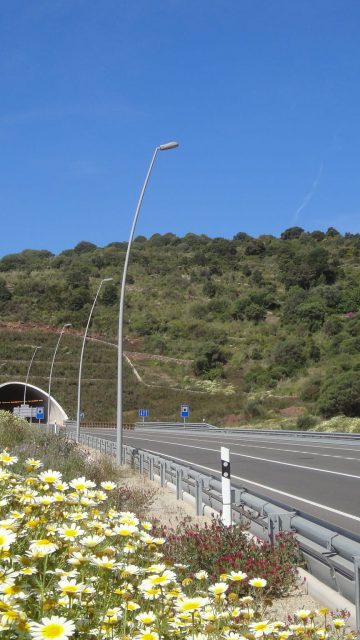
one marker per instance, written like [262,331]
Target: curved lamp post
[119,408]
[27,375]
[68,324]
[81,359]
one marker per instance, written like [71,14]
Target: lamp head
[107,279]
[168,145]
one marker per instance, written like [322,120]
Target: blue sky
[262,95]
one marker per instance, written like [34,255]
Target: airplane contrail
[309,195]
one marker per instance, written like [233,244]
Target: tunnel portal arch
[12,395]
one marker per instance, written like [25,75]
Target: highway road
[318,477]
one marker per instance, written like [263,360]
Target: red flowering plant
[218,550]
[277,564]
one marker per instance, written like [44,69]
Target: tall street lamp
[119,408]
[81,359]
[27,376]
[68,324]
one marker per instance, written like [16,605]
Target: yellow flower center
[52,630]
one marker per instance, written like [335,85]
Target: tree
[317,235]
[210,357]
[340,395]
[79,298]
[242,237]
[77,278]
[292,233]
[110,295]
[12,261]
[5,294]
[289,354]
[332,326]
[332,233]
[84,246]
[255,248]
[312,314]
[254,312]
[305,268]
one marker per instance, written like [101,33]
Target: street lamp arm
[68,324]
[28,371]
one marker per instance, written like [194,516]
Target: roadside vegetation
[64,455]
[261,331]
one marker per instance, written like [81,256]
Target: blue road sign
[185,411]
[144,413]
[39,413]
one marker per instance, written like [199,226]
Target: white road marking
[271,439]
[243,455]
[264,486]
[255,446]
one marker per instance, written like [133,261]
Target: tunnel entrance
[12,400]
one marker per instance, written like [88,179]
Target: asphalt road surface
[317,477]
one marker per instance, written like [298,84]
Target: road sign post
[144,413]
[39,414]
[184,412]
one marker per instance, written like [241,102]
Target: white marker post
[226,487]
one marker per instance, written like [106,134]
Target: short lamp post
[27,376]
[119,408]
[81,358]
[68,324]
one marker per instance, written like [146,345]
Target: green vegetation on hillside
[248,329]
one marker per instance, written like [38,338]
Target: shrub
[341,395]
[305,422]
[290,354]
[210,357]
[218,549]
[277,564]
[311,389]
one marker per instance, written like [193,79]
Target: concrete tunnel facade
[12,395]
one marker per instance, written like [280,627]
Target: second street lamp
[119,407]
[81,359]
[68,324]
[27,378]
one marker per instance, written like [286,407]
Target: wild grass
[64,455]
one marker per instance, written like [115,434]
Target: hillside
[248,329]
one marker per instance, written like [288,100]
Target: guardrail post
[357,593]
[179,483]
[199,504]
[277,522]
[141,462]
[151,468]
[162,473]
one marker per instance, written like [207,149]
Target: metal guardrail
[98,425]
[228,431]
[332,554]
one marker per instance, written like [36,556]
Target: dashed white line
[243,455]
